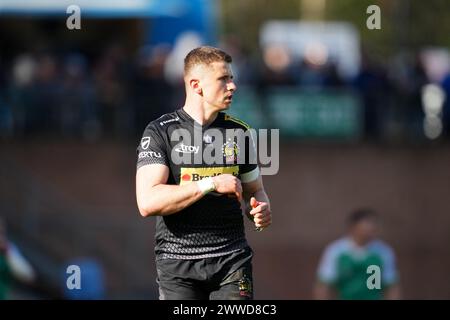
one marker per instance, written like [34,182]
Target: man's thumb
[253,202]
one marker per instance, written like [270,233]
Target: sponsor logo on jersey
[195,174]
[145,142]
[149,154]
[168,121]
[183,148]
[230,150]
[245,287]
[207,139]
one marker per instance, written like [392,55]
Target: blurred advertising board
[302,113]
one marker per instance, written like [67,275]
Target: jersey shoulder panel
[236,122]
[153,147]
[327,270]
[381,248]
[167,119]
[338,246]
[163,122]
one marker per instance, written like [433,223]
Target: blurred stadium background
[364,117]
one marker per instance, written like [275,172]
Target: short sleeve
[389,272]
[152,148]
[327,270]
[249,170]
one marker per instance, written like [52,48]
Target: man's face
[217,85]
[365,230]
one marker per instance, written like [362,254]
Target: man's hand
[228,184]
[261,213]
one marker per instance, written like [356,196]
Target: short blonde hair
[204,56]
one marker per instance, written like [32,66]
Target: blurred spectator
[12,264]
[332,79]
[313,66]
[77,111]
[243,67]
[373,86]
[41,113]
[110,79]
[174,65]
[152,92]
[277,67]
[342,272]
[275,70]
[20,91]
[417,79]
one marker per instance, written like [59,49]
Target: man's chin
[222,107]
[227,105]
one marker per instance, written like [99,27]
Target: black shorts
[227,277]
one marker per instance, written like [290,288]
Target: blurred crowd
[116,93]
[74,96]
[391,91]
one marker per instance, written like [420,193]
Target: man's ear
[195,85]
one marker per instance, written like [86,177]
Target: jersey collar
[186,117]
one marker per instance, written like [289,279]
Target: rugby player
[201,249]
[346,269]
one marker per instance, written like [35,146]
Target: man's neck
[200,114]
[361,243]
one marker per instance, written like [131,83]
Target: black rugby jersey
[212,226]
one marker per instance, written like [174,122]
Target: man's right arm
[156,197]
[326,275]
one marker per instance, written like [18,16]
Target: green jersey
[347,268]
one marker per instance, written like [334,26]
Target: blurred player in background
[201,249]
[342,273]
[12,264]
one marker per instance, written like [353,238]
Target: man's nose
[232,86]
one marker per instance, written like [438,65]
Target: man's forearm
[164,199]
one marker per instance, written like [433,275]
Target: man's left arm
[390,277]
[256,203]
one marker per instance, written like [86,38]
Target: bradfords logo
[195,174]
[186,149]
[145,142]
